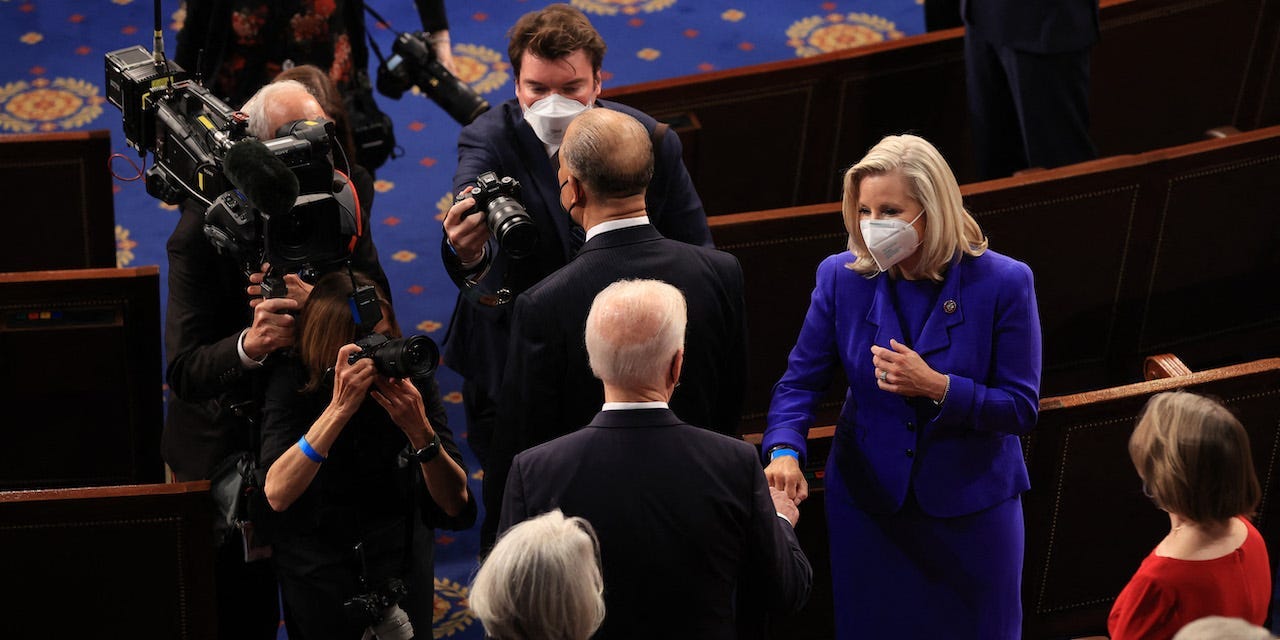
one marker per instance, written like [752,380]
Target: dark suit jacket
[1034,26]
[548,388]
[206,312]
[685,522]
[501,141]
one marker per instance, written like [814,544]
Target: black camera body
[378,611]
[414,63]
[506,218]
[412,357]
[190,133]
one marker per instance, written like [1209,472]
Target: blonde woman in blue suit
[939,339]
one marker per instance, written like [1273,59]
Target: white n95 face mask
[551,115]
[890,241]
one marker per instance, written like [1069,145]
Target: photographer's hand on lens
[272,328]
[404,404]
[904,372]
[351,382]
[784,474]
[467,234]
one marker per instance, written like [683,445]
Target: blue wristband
[310,452]
[779,452]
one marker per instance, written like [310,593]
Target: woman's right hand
[784,474]
[351,382]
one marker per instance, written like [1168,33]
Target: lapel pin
[949,306]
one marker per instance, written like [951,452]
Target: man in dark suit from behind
[548,390]
[693,542]
[1027,72]
[556,56]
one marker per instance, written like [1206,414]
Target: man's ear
[677,366]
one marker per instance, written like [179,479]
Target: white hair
[541,581]
[634,329]
[256,106]
[1221,628]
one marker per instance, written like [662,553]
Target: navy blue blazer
[689,541]
[501,141]
[548,388]
[965,458]
[1034,26]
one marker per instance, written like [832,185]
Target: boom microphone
[263,178]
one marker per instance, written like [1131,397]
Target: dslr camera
[506,218]
[412,357]
[378,610]
[414,63]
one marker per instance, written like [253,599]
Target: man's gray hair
[256,106]
[542,580]
[634,329]
[610,152]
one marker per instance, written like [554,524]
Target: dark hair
[1193,456]
[325,323]
[553,33]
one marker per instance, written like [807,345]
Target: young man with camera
[556,55]
[217,345]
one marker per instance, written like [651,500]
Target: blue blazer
[960,459]
[501,141]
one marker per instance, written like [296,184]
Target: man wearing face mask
[556,55]
[548,388]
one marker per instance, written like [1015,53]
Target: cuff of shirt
[249,363]
[784,518]
[471,266]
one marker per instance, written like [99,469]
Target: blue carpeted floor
[53,77]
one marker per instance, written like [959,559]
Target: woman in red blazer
[939,339]
[1193,457]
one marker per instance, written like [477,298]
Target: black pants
[1027,109]
[247,597]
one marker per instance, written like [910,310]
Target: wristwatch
[425,454]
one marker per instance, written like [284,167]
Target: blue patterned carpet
[53,81]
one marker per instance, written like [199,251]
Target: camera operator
[240,45]
[556,54]
[216,345]
[350,450]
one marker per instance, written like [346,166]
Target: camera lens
[413,357]
[512,226]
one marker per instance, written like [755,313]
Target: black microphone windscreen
[263,178]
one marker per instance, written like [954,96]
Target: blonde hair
[634,329]
[325,323]
[1193,457]
[949,229]
[542,581]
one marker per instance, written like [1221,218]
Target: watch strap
[427,453]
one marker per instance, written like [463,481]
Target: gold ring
[884,376]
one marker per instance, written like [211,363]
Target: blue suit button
[911,426]
[911,453]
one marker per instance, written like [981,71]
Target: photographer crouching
[361,465]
